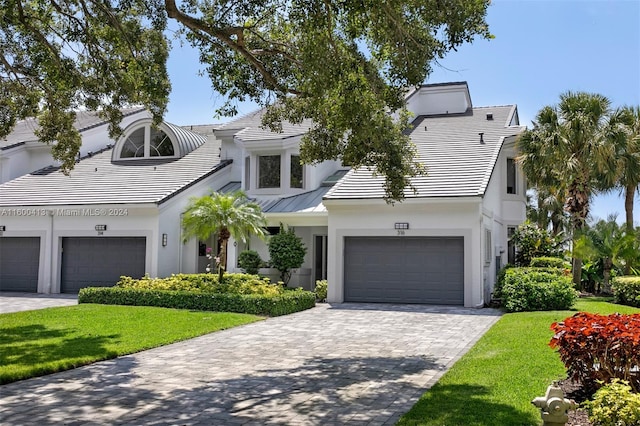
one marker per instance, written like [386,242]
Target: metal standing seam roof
[97,180]
[187,141]
[24,130]
[458,165]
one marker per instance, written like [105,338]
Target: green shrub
[204,283]
[284,303]
[321,290]
[249,261]
[537,289]
[497,288]
[549,262]
[626,290]
[614,405]
[287,252]
[532,241]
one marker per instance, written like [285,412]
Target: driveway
[343,364]
[14,302]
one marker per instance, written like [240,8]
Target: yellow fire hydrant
[554,406]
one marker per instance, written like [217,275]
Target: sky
[542,48]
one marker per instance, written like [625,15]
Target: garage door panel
[19,264]
[100,261]
[404,270]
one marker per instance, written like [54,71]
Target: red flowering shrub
[598,348]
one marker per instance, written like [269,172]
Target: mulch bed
[573,390]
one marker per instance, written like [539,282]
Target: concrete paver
[15,301]
[343,364]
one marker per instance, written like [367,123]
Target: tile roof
[250,128]
[96,180]
[24,129]
[458,165]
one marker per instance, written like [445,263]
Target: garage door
[427,270]
[19,263]
[100,261]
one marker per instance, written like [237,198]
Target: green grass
[494,383]
[34,343]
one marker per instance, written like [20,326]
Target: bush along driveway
[342,364]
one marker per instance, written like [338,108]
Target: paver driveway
[340,364]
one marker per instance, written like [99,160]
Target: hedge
[286,303]
[626,290]
[537,289]
[549,262]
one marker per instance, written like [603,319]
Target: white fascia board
[269,144]
[299,219]
[350,202]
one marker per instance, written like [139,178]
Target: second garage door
[427,270]
[100,261]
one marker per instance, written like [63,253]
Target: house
[118,213]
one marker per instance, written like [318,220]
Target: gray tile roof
[96,180]
[250,128]
[457,164]
[24,129]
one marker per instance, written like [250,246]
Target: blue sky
[541,49]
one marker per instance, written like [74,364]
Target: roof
[458,165]
[96,180]
[249,128]
[24,131]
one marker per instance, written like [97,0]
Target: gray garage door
[19,263]
[427,270]
[100,261]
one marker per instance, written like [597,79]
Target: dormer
[141,140]
[437,99]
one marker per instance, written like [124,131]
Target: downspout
[51,247]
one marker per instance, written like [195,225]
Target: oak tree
[342,64]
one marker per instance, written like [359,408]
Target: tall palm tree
[628,155]
[548,211]
[568,149]
[228,215]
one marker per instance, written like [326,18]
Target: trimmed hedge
[285,303]
[626,290]
[549,262]
[537,289]
[233,283]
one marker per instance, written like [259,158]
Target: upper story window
[269,171]
[297,174]
[511,176]
[146,142]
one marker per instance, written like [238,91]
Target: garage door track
[345,364]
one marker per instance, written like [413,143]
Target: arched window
[145,142]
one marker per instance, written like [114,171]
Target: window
[511,176]
[269,171]
[511,247]
[296,180]
[160,145]
[146,142]
[487,246]
[247,174]
[320,260]
[134,145]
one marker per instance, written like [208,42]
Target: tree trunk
[223,260]
[630,192]
[607,264]
[576,267]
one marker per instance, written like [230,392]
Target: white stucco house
[118,213]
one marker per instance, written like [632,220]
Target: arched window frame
[147,127]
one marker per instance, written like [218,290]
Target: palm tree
[228,215]
[548,211]
[628,155]
[569,150]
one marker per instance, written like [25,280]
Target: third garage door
[427,270]
[100,261]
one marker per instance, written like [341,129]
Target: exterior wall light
[101,228]
[164,240]
[401,225]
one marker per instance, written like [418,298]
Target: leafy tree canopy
[344,64]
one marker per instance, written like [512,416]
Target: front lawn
[34,343]
[494,383]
